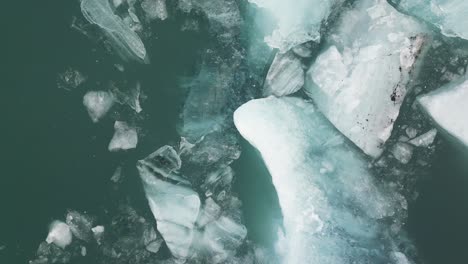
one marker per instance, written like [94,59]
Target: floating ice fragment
[80,225]
[286,75]
[360,78]
[448,106]
[297,23]
[340,217]
[424,140]
[59,234]
[125,137]
[98,232]
[151,240]
[126,42]
[98,103]
[403,152]
[447,15]
[155,9]
[70,79]
[174,205]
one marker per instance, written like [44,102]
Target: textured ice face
[126,42]
[359,80]
[298,22]
[447,15]
[333,210]
[448,107]
[286,75]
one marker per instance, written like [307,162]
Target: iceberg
[297,23]
[447,107]
[333,209]
[126,42]
[98,103]
[174,204]
[360,79]
[286,75]
[125,137]
[447,15]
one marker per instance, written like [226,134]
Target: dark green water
[54,158]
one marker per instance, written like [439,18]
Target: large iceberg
[447,15]
[126,42]
[360,78]
[448,107]
[298,22]
[334,211]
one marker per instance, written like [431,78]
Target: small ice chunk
[80,225]
[359,80]
[59,234]
[403,152]
[411,132]
[304,50]
[126,42]
[98,103]
[151,240]
[70,79]
[125,137]
[424,140]
[448,106]
[166,163]
[83,251]
[98,232]
[286,75]
[155,9]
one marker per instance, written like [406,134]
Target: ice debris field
[345,101]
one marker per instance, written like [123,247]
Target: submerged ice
[360,78]
[334,211]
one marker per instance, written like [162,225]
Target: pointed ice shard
[334,216]
[447,15]
[448,106]
[286,75]
[126,42]
[59,234]
[98,103]
[174,204]
[360,78]
[298,22]
[125,137]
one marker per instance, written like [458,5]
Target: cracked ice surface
[448,106]
[126,41]
[360,79]
[297,23]
[447,15]
[333,210]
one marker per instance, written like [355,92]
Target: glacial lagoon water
[56,159]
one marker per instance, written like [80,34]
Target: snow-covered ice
[125,137]
[59,234]
[98,103]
